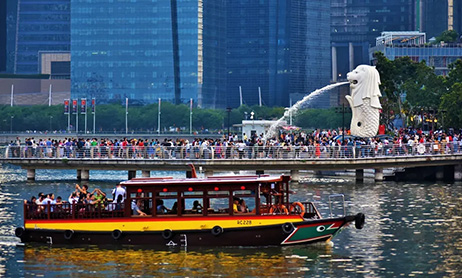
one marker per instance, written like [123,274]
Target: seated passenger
[136,208]
[235,205]
[161,209]
[174,209]
[242,206]
[197,207]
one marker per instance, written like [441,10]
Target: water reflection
[411,230]
[249,262]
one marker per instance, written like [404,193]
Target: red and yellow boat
[214,211]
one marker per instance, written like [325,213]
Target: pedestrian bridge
[445,161]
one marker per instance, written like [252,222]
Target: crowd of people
[317,144]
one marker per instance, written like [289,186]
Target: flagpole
[190,115]
[126,115]
[12,94]
[94,114]
[158,119]
[49,96]
[240,95]
[259,96]
[76,117]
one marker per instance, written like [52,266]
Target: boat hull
[283,233]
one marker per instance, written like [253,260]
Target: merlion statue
[364,101]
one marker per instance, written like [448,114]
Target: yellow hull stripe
[139,224]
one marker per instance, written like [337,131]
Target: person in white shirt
[119,194]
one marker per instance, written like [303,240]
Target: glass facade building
[40,26]
[439,57]
[356,24]
[144,50]
[278,47]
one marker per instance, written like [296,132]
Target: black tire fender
[217,230]
[288,227]
[19,231]
[360,219]
[116,234]
[167,234]
[68,234]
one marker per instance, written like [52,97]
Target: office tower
[3,36]
[145,50]
[279,48]
[356,24]
[42,26]
[437,16]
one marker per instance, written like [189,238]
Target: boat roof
[162,181]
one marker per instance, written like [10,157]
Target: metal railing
[230,152]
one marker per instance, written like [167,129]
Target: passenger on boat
[118,194]
[49,200]
[242,206]
[161,209]
[83,191]
[73,198]
[174,209]
[100,196]
[197,207]
[136,208]
[235,204]
[31,204]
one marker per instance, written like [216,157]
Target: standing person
[118,194]
[83,192]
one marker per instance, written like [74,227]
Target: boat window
[243,192]
[219,205]
[246,205]
[144,204]
[142,194]
[218,193]
[168,194]
[193,205]
[193,193]
[165,206]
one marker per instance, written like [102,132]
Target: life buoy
[217,230]
[421,148]
[288,227]
[360,218]
[19,232]
[167,234]
[278,209]
[297,208]
[116,234]
[68,234]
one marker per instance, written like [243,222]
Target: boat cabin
[160,197]
[168,197]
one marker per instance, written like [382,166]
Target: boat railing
[73,211]
[337,201]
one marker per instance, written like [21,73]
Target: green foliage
[452,103]
[402,79]
[447,36]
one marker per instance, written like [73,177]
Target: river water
[411,230]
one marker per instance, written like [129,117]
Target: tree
[452,103]
[447,36]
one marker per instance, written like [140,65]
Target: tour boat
[213,211]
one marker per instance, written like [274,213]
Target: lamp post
[229,115]
[51,119]
[11,124]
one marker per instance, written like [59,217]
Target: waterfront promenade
[442,161]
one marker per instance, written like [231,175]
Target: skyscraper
[3,36]
[144,50]
[356,24]
[41,26]
[436,16]
[278,47]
